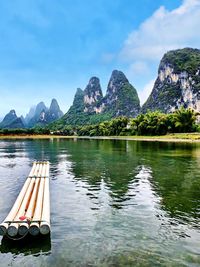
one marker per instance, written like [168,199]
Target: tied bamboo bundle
[31,210]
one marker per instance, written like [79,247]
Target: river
[113,202]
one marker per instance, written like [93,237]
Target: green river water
[113,203]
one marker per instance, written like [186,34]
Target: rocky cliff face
[54,110]
[178,82]
[38,114]
[84,105]
[11,121]
[92,95]
[51,114]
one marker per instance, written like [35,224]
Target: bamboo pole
[34,227]
[45,224]
[40,170]
[3,228]
[13,227]
[15,208]
[33,169]
[35,173]
[47,169]
[23,227]
[44,170]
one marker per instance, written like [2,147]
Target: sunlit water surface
[113,203]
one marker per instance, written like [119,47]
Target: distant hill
[11,121]
[39,109]
[40,115]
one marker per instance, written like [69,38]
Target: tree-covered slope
[178,82]
[121,98]
[90,107]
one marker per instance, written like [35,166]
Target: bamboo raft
[31,210]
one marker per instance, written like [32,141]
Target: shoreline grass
[176,137]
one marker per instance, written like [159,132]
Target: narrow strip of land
[179,137]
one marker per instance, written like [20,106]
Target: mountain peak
[94,80]
[121,97]
[54,100]
[54,104]
[10,116]
[40,107]
[54,111]
[89,106]
[177,83]
[93,87]
[92,94]
[78,96]
[79,91]
[118,74]
[41,115]
[186,59]
[11,121]
[12,112]
[117,80]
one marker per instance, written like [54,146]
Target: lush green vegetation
[126,102]
[78,119]
[167,93]
[22,131]
[149,124]
[117,126]
[127,96]
[186,59]
[121,99]
[76,115]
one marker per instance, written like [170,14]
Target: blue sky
[49,48]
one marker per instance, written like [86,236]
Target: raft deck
[31,210]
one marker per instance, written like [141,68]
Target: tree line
[151,123]
[25,131]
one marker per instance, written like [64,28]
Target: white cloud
[144,94]
[163,31]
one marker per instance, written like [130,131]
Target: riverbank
[177,137]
